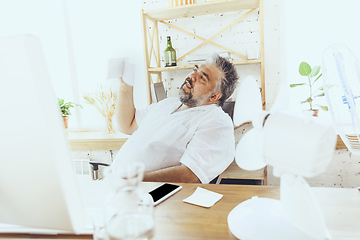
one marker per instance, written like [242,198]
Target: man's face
[199,85]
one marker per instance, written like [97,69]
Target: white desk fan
[341,72]
[296,147]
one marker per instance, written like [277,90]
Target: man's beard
[188,99]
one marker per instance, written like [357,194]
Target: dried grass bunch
[104,100]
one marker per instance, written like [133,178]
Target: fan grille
[342,90]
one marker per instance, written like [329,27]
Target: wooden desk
[185,221]
[181,221]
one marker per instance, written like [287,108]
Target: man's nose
[193,77]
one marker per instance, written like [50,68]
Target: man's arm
[172,174]
[125,109]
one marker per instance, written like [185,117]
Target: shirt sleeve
[211,150]
[140,114]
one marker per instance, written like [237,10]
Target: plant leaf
[317,78]
[321,88]
[309,100]
[324,108]
[297,84]
[315,71]
[320,95]
[65,107]
[304,69]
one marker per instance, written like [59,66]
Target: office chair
[234,172]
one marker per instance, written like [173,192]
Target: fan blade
[248,101]
[301,208]
[249,151]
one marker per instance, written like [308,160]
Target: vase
[313,112]
[109,126]
[66,123]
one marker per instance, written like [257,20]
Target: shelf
[164,69]
[95,141]
[200,9]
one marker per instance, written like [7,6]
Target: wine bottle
[170,54]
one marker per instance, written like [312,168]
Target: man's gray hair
[229,81]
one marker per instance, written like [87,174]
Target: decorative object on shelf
[173,3]
[311,73]
[65,110]
[169,54]
[103,100]
[202,58]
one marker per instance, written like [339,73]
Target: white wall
[310,27]
[103,30]
[98,30]
[43,19]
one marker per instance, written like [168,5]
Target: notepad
[203,198]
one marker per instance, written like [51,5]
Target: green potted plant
[313,75]
[65,110]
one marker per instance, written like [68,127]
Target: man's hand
[177,174]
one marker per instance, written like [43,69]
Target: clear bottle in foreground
[129,212]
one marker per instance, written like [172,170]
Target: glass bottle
[169,54]
[129,212]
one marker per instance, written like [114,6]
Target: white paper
[120,67]
[128,75]
[116,67]
[203,197]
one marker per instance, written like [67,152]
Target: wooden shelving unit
[200,9]
[164,69]
[152,18]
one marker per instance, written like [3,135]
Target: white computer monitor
[37,177]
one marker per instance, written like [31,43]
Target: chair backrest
[159,92]
[228,107]
[233,171]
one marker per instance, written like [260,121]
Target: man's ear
[215,97]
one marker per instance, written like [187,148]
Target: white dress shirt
[201,138]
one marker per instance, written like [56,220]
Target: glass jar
[129,212]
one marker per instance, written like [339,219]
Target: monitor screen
[37,176]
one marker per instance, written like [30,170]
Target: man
[185,139]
